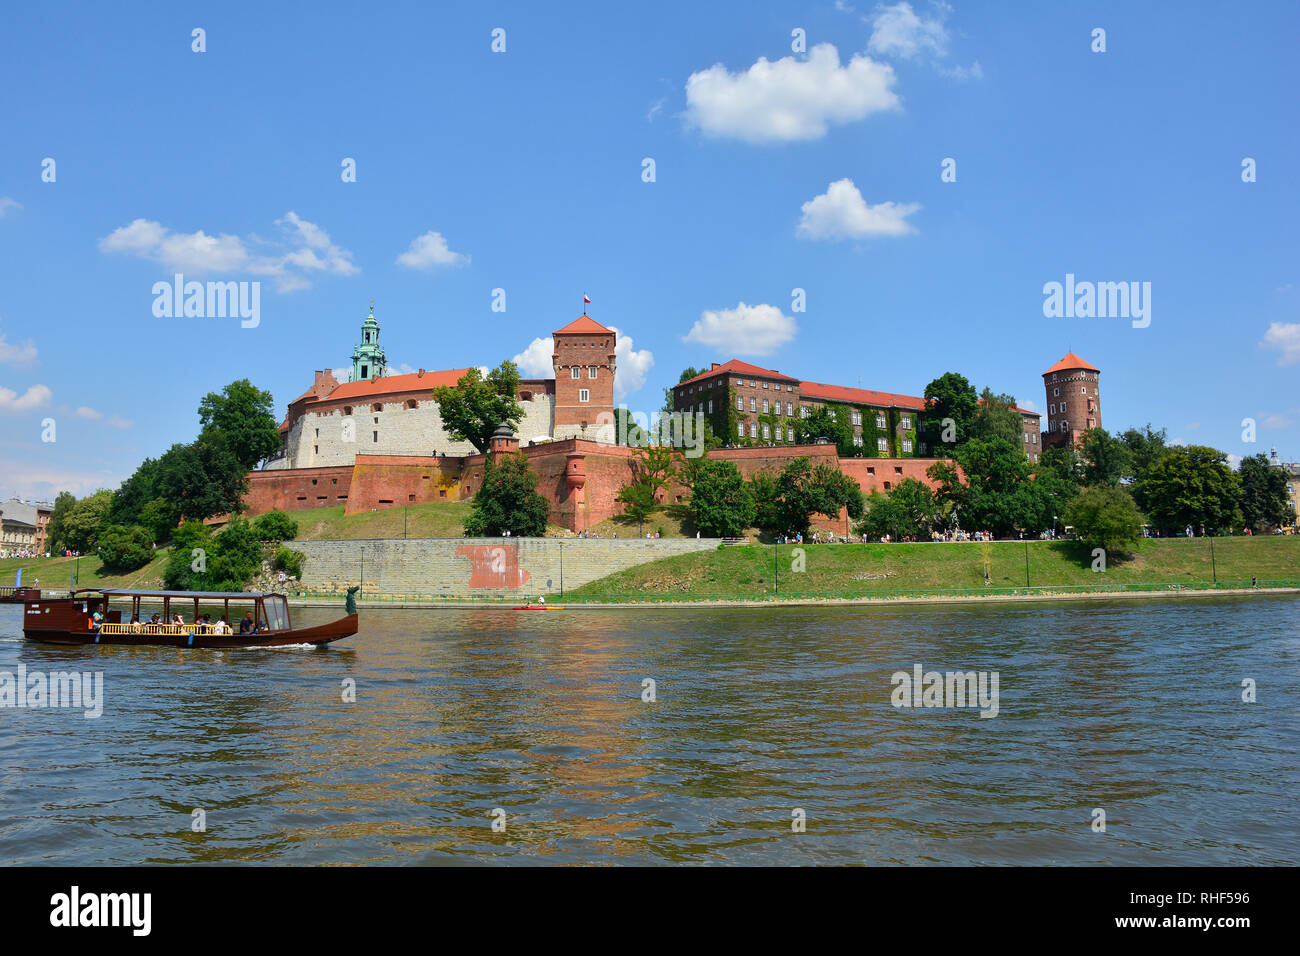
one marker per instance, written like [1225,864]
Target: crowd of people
[201,625]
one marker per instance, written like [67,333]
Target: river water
[1130,707]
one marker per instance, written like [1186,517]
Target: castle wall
[296,488]
[458,567]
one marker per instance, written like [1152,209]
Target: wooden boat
[10,594]
[69,620]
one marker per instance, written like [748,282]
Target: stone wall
[456,567]
[297,488]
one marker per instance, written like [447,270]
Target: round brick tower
[1073,400]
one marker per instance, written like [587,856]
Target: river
[1131,707]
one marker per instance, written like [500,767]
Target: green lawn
[845,568]
[56,573]
[442,519]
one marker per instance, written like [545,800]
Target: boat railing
[176,630]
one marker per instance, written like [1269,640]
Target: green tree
[507,501]
[801,491]
[1146,446]
[243,415]
[1192,485]
[124,549]
[996,417]
[908,511]
[1103,457]
[235,559]
[135,493]
[56,527]
[185,570]
[1060,461]
[202,479]
[289,561]
[475,407]
[275,526]
[652,470]
[722,502]
[1264,501]
[991,499]
[948,397]
[1106,517]
[160,517]
[87,518]
[829,421]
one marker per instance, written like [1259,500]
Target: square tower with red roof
[584,381]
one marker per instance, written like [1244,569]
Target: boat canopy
[201,595]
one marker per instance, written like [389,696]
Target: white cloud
[1178,443]
[898,31]
[12,403]
[23,477]
[1234,461]
[6,204]
[342,375]
[842,213]
[86,412]
[1028,405]
[113,421]
[1278,421]
[304,248]
[429,251]
[117,421]
[790,99]
[536,361]
[1285,337]
[744,330]
[630,365]
[23,355]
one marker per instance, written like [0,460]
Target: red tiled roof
[741,368]
[1070,362]
[583,323]
[392,384]
[860,396]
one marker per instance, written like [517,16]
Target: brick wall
[297,488]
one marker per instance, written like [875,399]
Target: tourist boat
[10,594]
[69,620]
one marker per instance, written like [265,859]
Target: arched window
[377,407]
[410,403]
[347,409]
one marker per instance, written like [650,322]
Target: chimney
[715,365]
[420,374]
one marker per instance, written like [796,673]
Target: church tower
[368,360]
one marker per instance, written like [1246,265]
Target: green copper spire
[368,358]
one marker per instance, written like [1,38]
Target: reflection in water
[1133,707]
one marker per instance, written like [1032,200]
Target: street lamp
[1053,526]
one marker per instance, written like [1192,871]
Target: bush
[125,549]
[275,526]
[1105,517]
[289,561]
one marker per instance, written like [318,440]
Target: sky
[850,193]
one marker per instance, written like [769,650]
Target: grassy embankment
[857,569]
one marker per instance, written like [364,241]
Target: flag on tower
[585,300]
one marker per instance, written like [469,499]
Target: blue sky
[523,170]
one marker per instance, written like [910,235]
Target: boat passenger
[247,625]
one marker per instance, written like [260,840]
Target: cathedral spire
[368,360]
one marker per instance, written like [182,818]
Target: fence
[719,597]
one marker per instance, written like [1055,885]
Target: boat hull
[320,634]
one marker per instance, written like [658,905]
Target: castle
[378,440]
[376,413]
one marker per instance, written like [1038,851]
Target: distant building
[1292,471]
[1073,400]
[24,525]
[377,413]
[768,405]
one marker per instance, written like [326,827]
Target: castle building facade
[376,413]
[1073,391]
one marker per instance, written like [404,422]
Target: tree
[124,549]
[652,470]
[275,526]
[1146,446]
[722,503]
[185,570]
[1104,458]
[996,417]
[135,493]
[236,557]
[244,416]
[507,501]
[1192,485]
[829,421]
[86,520]
[908,511]
[1264,500]
[1060,461]
[950,396]
[160,517]
[992,499]
[801,491]
[55,528]
[475,407]
[202,479]
[1106,517]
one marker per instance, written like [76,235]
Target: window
[886,486]
[377,407]
[1062,408]
[789,408]
[880,420]
[315,449]
[376,436]
[882,444]
[779,434]
[905,424]
[1055,391]
[765,384]
[753,430]
[907,445]
[313,481]
[318,433]
[347,409]
[1051,409]
[1065,426]
[765,406]
[410,403]
[740,429]
[766,432]
[1035,437]
[591,373]
[1026,438]
[710,406]
[740,404]
[753,404]
[584,395]
[1084,390]
[857,440]
[856,418]
[803,411]
[898,470]
[577,372]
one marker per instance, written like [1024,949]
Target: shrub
[275,526]
[125,549]
[289,561]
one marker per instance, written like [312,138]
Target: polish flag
[585,300]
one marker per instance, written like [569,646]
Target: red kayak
[529,607]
